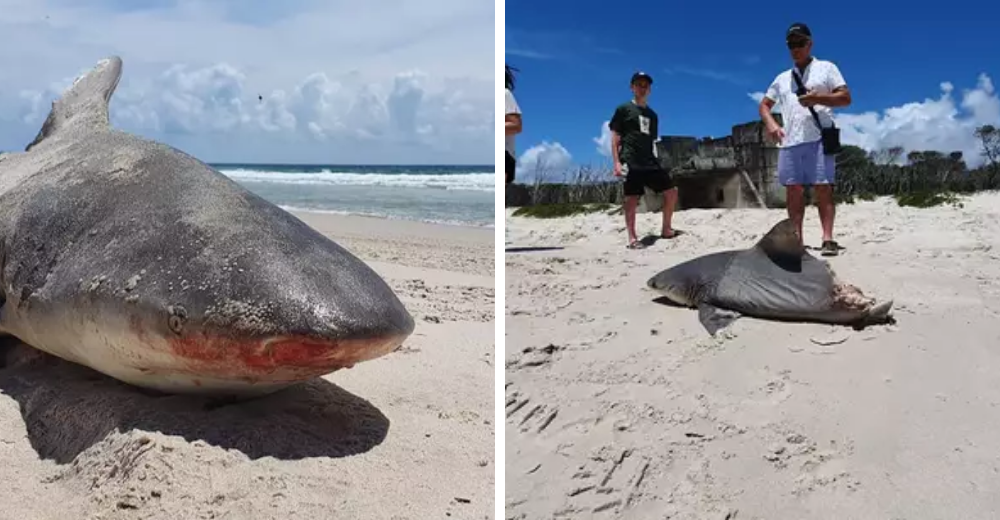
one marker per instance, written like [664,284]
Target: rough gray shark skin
[137,260]
[774,279]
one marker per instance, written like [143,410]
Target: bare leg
[827,210]
[795,200]
[669,203]
[631,202]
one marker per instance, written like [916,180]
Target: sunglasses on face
[797,44]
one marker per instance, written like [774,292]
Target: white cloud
[758,96]
[603,142]
[946,123]
[545,160]
[707,73]
[411,82]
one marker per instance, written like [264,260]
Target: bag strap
[798,80]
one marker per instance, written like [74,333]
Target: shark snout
[660,282]
[340,334]
[374,323]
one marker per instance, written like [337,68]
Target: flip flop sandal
[676,234]
[636,245]
[830,248]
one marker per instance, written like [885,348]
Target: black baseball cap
[798,29]
[641,75]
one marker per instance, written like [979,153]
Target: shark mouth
[678,297]
[276,359]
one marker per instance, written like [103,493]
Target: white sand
[409,435]
[620,407]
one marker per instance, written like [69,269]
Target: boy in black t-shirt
[634,127]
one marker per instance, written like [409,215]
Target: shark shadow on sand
[68,408]
[532,249]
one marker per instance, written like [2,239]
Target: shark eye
[178,315]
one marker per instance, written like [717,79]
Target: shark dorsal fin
[84,105]
[782,245]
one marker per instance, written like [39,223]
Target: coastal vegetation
[914,179]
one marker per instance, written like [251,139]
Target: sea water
[462,195]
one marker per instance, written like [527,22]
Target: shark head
[686,283]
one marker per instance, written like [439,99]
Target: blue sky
[341,82]
[921,77]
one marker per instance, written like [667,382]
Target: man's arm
[512,124]
[512,119]
[615,126]
[767,103]
[839,96]
[764,108]
[654,128]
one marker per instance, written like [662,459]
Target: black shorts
[511,165]
[656,179]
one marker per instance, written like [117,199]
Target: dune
[408,435]
[620,407]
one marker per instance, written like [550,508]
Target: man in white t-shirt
[804,159]
[512,124]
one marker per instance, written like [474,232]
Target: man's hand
[776,132]
[841,97]
[773,130]
[810,98]
[618,169]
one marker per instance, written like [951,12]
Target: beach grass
[559,210]
[918,179]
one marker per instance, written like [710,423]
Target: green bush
[560,210]
[927,199]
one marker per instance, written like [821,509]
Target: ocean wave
[374,214]
[457,181]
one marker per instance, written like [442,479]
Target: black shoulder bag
[831,135]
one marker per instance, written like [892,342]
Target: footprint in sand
[818,466]
[532,357]
[608,482]
[527,416]
[776,389]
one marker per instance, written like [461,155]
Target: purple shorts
[806,165]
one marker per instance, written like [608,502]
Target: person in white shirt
[807,93]
[512,124]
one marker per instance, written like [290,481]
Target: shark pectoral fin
[715,319]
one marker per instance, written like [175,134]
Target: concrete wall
[716,190]
[749,146]
[704,168]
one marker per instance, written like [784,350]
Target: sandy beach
[621,407]
[406,436]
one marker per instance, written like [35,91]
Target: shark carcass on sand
[141,262]
[775,279]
